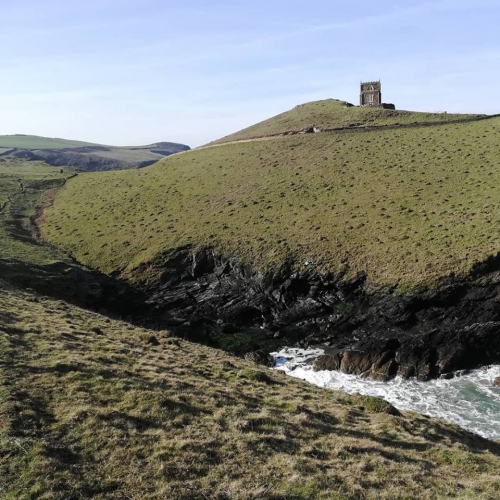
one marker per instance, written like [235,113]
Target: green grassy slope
[333,114]
[21,189]
[408,205]
[36,142]
[23,260]
[91,408]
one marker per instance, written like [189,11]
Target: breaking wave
[469,400]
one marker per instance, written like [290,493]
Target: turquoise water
[469,400]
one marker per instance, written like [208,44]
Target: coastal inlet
[470,399]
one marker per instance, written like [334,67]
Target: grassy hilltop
[334,114]
[407,205]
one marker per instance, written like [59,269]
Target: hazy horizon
[133,73]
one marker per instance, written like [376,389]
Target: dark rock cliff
[371,332]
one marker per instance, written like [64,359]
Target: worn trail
[351,130]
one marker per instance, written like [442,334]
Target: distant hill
[334,114]
[21,141]
[83,155]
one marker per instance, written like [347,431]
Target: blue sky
[129,72]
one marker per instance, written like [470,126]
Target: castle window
[370,88]
[369,98]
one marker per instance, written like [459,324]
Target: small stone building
[371,94]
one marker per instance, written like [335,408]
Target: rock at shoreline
[327,362]
[496,382]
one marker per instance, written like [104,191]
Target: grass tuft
[255,376]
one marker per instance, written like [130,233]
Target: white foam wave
[468,400]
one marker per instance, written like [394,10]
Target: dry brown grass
[89,408]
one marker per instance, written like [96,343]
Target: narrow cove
[469,399]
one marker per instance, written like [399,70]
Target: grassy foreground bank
[91,407]
[407,205]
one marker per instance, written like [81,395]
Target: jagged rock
[385,371]
[327,362]
[426,335]
[172,321]
[406,371]
[450,358]
[496,382]
[356,362]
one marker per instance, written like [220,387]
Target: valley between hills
[379,243]
[129,300]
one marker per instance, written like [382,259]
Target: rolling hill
[85,156]
[405,205]
[21,141]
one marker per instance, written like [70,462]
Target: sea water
[469,400]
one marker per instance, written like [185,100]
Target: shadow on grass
[17,230]
[441,433]
[30,414]
[124,421]
[63,280]
[7,318]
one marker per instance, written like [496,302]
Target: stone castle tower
[371,94]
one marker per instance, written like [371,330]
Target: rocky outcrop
[328,362]
[374,332]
